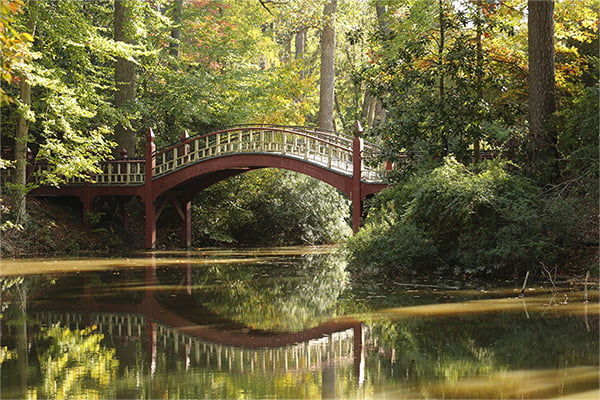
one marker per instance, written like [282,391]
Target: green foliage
[441,93]
[69,81]
[272,207]
[454,219]
[578,140]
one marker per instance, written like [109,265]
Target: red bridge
[172,176]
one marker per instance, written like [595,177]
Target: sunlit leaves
[440,91]
[15,44]
[576,42]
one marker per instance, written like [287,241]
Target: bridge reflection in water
[336,348]
[206,340]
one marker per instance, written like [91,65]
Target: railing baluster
[283,150]
[109,173]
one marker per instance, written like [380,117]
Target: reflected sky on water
[286,323]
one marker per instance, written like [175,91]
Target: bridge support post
[186,202]
[186,223]
[359,353]
[86,206]
[150,206]
[357,148]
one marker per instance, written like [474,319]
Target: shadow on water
[283,323]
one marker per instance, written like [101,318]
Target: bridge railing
[113,172]
[325,149]
[332,137]
[335,347]
[318,146]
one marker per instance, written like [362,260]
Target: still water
[287,323]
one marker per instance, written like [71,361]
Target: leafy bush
[271,207]
[455,219]
[578,141]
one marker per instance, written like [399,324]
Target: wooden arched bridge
[173,175]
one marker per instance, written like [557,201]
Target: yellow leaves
[15,45]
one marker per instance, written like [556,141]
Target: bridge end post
[150,207]
[87,206]
[357,148]
[186,222]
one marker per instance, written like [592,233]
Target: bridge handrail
[327,148]
[238,128]
[309,129]
[129,172]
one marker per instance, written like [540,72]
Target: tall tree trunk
[301,47]
[377,113]
[441,88]
[479,73]
[22,133]
[176,31]
[21,140]
[326,91]
[124,76]
[542,89]
[381,10]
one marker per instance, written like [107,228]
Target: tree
[543,152]
[441,74]
[24,117]
[66,122]
[15,46]
[177,15]
[124,74]
[327,77]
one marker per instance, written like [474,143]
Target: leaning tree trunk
[326,92]
[124,76]
[543,154]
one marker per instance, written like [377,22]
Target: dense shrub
[454,219]
[578,142]
[271,207]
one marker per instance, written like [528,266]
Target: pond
[286,323]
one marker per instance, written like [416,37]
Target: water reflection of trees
[70,364]
[76,365]
[286,296]
[448,350]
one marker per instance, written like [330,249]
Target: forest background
[441,85]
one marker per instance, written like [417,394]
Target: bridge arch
[203,175]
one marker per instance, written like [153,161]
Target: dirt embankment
[55,227]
